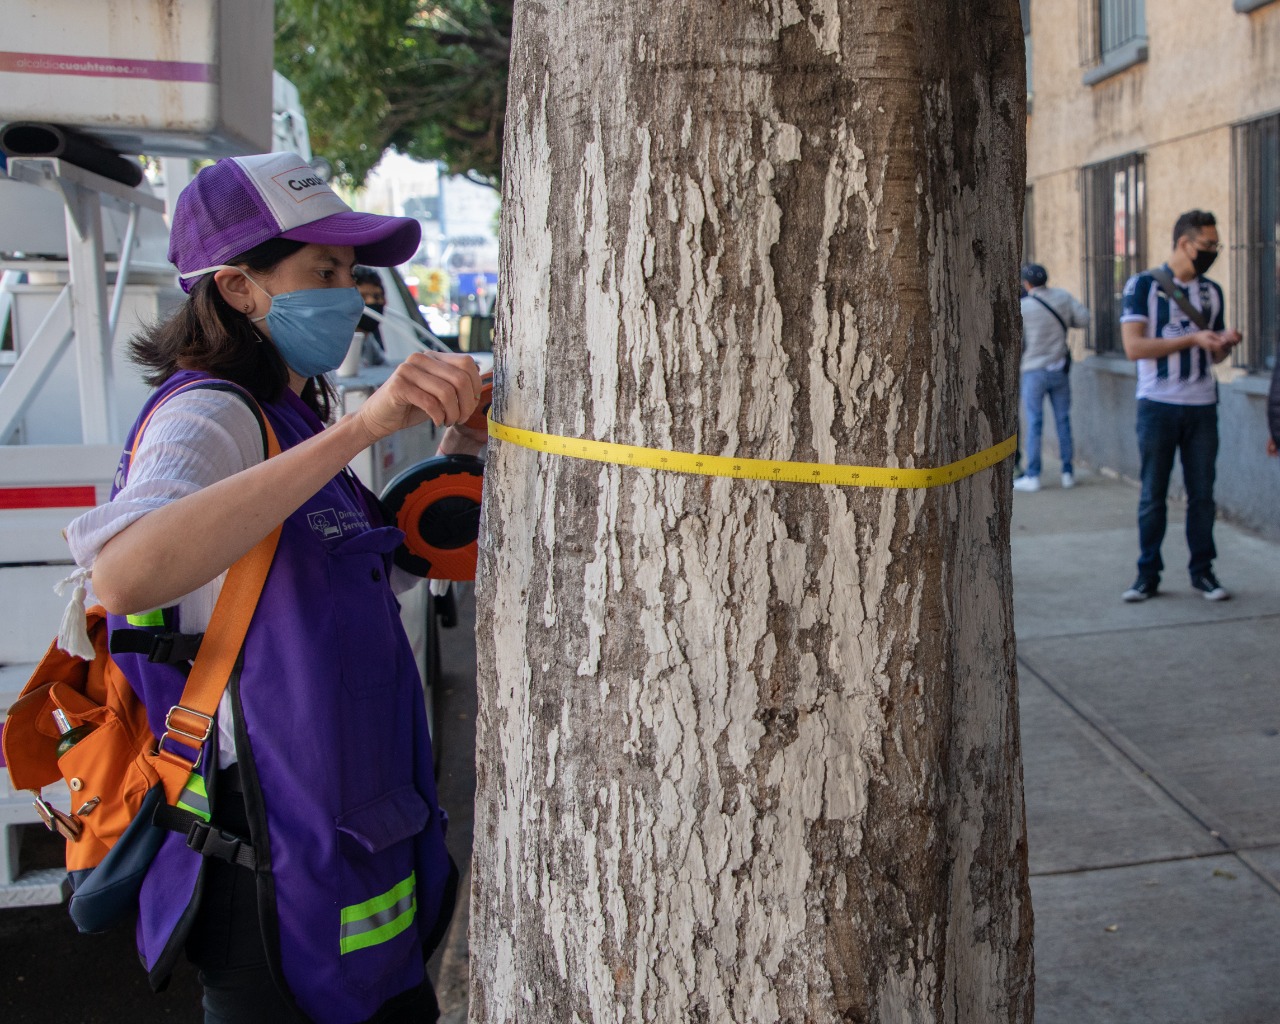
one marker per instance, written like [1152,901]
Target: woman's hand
[463,440]
[436,386]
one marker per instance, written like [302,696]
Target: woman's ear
[236,290]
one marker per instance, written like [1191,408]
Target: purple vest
[354,882]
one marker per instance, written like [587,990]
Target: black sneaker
[1208,585]
[1143,588]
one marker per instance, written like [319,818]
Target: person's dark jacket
[1273,405]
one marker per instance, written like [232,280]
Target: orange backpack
[107,777]
[112,769]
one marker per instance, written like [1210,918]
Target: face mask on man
[367,323]
[1203,260]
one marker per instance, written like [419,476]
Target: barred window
[1114,214]
[1113,36]
[1255,233]
[1029,226]
[1120,22]
[1026,43]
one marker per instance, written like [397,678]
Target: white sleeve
[195,439]
[402,580]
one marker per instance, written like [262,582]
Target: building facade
[1137,111]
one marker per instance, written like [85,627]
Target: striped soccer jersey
[1184,377]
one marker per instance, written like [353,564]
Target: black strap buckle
[170,648]
[212,842]
[160,648]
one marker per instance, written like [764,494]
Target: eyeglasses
[1209,246]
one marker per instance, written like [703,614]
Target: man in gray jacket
[1047,315]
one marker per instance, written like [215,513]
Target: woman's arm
[175,549]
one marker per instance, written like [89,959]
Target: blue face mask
[312,328]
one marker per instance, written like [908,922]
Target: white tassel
[73,636]
[439,587]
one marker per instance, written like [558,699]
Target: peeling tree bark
[749,752]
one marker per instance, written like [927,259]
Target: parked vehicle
[83,264]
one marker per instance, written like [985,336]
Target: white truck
[82,265]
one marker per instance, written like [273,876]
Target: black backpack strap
[1170,287]
[164,648]
[206,839]
[214,384]
[1056,315]
[248,399]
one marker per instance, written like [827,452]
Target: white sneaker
[1208,585]
[1068,481]
[1031,484]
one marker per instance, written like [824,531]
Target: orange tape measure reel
[437,504]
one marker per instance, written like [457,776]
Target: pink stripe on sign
[106,67]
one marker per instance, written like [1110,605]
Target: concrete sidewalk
[1151,740]
[1151,743]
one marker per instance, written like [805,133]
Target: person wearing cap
[320,762]
[1048,314]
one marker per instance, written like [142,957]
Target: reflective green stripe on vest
[195,797]
[155,618]
[381,918]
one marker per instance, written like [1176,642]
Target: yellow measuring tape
[753,469]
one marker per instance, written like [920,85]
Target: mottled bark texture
[749,752]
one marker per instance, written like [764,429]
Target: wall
[1208,68]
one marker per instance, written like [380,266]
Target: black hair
[1190,223]
[205,333]
[367,275]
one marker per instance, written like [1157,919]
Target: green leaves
[426,79]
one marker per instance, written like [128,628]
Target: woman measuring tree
[320,761]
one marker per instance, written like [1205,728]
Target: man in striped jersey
[1172,327]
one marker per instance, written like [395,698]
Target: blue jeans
[1192,432]
[1036,384]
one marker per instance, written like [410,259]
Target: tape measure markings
[754,469]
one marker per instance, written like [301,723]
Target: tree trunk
[748,751]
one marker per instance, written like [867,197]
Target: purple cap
[240,202]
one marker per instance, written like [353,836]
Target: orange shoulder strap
[190,722]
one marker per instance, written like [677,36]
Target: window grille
[1253,242]
[1026,44]
[1112,32]
[1029,226]
[1120,22]
[1114,214]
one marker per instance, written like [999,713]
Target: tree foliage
[425,79]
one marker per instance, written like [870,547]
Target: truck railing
[81,312]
